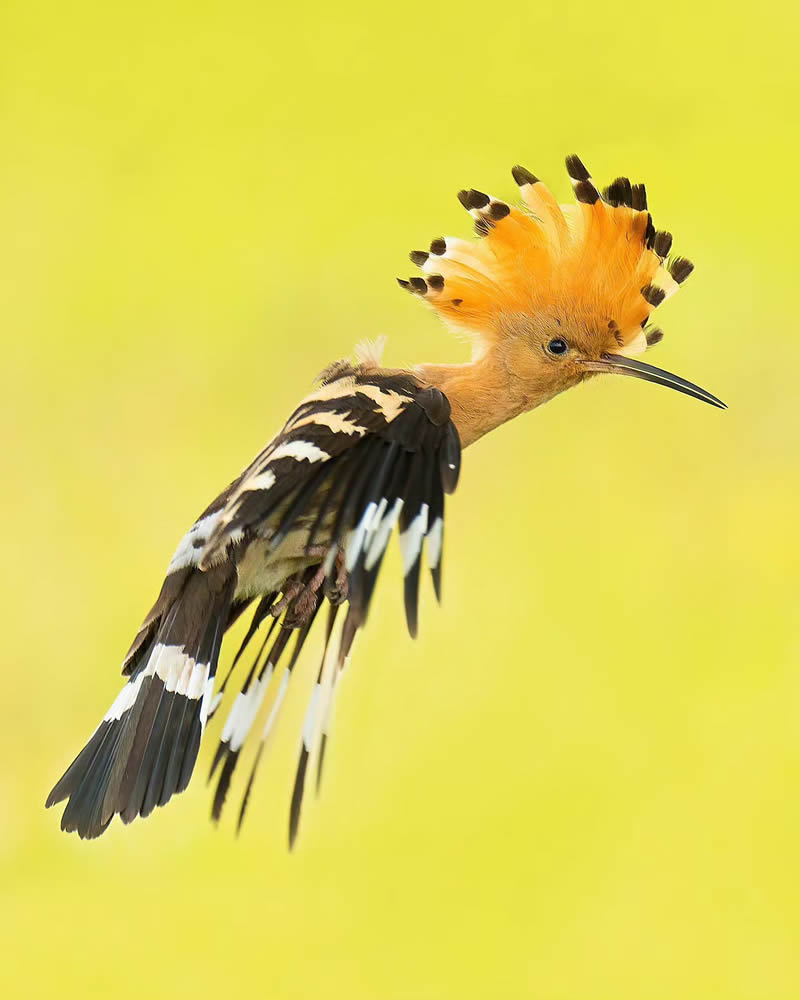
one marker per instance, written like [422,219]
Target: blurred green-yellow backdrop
[581,782]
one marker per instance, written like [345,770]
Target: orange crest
[601,262]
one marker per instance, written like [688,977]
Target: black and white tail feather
[306,524]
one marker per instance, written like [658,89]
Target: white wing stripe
[382,532]
[244,711]
[435,543]
[310,722]
[411,538]
[359,536]
[273,713]
[187,552]
[263,481]
[299,450]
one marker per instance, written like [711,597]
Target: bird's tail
[145,748]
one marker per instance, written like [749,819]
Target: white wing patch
[244,711]
[335,422]
[190,550]
[310,722]
[382,529]
[273,712]
[299,450]
[357,538]
[411,538]
[262,481]
[435,543]
[187,553]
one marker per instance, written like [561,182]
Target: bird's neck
[483,394]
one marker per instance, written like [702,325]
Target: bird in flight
[549,295]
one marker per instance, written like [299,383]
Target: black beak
[618,364]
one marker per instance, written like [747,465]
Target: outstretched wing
[250,522]
[327,424]
[344,503]
[306,523]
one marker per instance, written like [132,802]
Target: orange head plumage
[573,284]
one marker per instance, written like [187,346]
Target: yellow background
[582,781]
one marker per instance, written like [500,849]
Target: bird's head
[557,293]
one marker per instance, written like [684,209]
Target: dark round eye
[558,346]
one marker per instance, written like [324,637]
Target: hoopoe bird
[550,295]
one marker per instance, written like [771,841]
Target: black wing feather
[347,469]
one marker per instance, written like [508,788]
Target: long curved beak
[618,364]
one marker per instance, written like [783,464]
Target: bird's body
[306,524]
[551,295]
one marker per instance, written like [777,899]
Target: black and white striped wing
[394,476]
[308,521]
